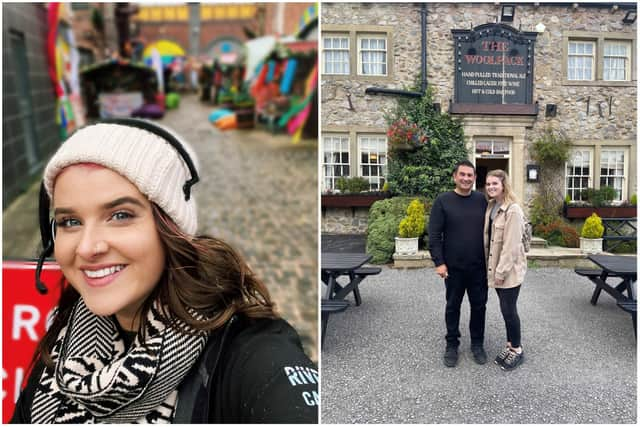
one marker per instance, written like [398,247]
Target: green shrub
[634,199]
[558,233]
[625,248]
[413,224]
[428,169]
[567,199]
[551,148]
[592,228]
[384,220]
[354,184]
[598,197]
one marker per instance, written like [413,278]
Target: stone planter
[602,212]
[590,246]
[407,245]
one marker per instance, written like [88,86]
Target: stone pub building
[507,70]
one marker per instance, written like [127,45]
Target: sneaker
[451,357]
[479,355]
[502,355]
[512,361]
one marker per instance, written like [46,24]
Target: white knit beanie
[145,159]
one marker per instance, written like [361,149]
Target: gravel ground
[382,361]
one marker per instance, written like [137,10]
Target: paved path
[258,192]
[382,361]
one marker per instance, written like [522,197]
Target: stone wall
[369,110]
[345,220]
[27,21]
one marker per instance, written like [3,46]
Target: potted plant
[352,192]
[410,229]
[599,201]
[591,235]
[404,135]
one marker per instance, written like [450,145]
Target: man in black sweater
[455,242]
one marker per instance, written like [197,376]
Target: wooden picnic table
[623,268]
[334,265]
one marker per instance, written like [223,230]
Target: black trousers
[508,300]
[474,283]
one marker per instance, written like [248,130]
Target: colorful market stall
[117,88]
[63,59]
[285,88]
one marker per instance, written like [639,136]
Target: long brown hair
[204,283]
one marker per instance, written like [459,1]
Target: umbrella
[168,51]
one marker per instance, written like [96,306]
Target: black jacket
[251,371]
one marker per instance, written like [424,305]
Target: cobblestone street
[257,192]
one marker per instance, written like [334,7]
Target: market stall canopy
[116,73]
[168,51]
[257,50]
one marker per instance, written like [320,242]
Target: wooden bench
[329,307]
[630,307]
[363,272]
[590,272]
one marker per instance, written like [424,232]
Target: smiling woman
[155,323]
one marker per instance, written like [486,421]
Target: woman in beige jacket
[506,259]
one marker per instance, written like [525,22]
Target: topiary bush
[592,228]
[413,224]
[634,200]
[558,233]
[384,220]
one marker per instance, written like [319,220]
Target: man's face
[464,178]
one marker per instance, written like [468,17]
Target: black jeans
[508,300]
[474,283]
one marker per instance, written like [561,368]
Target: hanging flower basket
[403,135]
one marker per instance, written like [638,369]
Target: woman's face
[106,241]
[494,187]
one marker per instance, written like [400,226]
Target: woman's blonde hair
[509,195]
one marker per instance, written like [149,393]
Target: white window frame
[627,59]
[375,36]
[328,51]
[623,177]
[373,144]
[331,143]
[592,56]
[570,164]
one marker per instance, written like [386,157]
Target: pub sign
[493,65]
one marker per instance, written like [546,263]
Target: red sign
[25,317]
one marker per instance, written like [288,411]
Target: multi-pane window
[336,159]
[335,54]
[373,159]
[372,55]
[578,175]
[581,60]
[612,170]
[491,146]
[616,60]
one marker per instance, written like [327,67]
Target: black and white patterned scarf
[95,380]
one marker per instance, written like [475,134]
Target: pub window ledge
[603,83]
